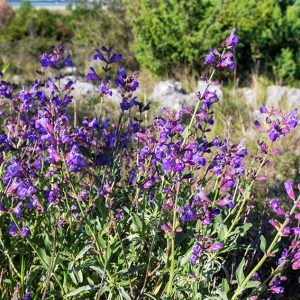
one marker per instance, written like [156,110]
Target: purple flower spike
[216,246]
[289,189]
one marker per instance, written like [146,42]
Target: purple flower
[126,83]
[99,55]
[17,210]
[75,160]
[216,246]
[291,119]
[13,229]
[289,189]
[54,154]
[258,125]
[210,58]
[197,249]
[263,109]
[232,39]
[276,206]
[104,90]
[26,296]
[194,259]
[25,230]
[179,167]
[226,61]
[92,75]
[115,57]
[227,200]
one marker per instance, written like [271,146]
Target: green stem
[169,288]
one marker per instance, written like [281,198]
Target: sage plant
[132,208]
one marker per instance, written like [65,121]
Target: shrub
[136,209]
[285,66]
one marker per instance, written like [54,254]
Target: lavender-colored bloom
[115,57]
[274,133]
[104,90]
[210,58]
[25,189]
[197,249]
[276,206]
[148,184]
[100,56]
[26,296]
[283,257]
[75,160]
[289,189]
[295,230]
[54,154]
[232,39]
[227,61]
[258,125]
[194,259]
[127,83]
[216,246]
[227,200]
[25,230]
[94,123]
[291,119]
[92,75]
[179,167]
[17,210]
[263,109]
[13,170]
[13,229]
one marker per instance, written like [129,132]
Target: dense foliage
[169,36]
[175,33]
[136,209]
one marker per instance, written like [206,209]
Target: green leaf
[225,286]
[263,244]
[97,269]
[137,221]
[123,293]
[240,272]
[150,296]
[82,289]
[252,284]
[185,259]
[241,230]
[82,252]
[45,259]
